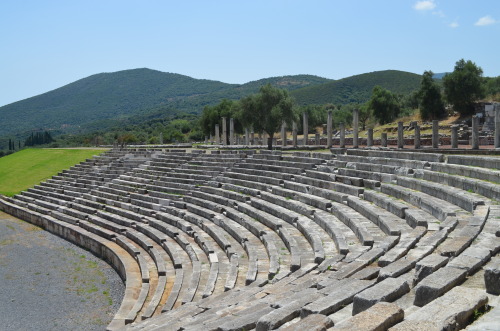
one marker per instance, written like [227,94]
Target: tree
[463,86]
[316,116]
[492,86]
[212,115]
[429,95]
[40,138]
[267,110]
[365,114]
[126,138]
[384,105]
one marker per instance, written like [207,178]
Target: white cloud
[453,25]
[424,5]
[485,20]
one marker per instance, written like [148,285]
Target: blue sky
[47,44]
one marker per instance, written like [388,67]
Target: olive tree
[430,99]
[267,110]
[463,86]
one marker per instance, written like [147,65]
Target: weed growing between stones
[480,312]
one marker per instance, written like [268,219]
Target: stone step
[452,311]
[387,290]
[438,283]
[380,316]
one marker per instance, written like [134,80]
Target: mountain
[134,96]
[97,99]
[357,88]
[290,83]
[101,96]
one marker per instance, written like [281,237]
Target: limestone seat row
[231,240]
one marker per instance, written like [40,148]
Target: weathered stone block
[396,269]
[314,322]
[340,293]
[492,277]
[387,290]
[428,265]
[452,311]
[437,284]
[379,317]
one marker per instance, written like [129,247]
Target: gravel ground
[47,283]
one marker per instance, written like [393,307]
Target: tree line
[271,107]
[39,138]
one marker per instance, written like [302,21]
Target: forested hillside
[103,99]
[99,97]
[357,89]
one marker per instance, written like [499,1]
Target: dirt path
[46,283]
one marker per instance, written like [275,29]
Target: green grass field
[24,169]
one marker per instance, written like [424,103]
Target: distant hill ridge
[110,96]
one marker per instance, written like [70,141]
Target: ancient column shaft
[342,135]
[435,134]
[416,140]
[497,126]
[294,134]
[329,130]
[355,127]
[217,134]
[454,136]
[231,131]
[401,142]
[369,141]
[305,125]
[224,131]
[383,139]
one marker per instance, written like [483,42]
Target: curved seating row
[246,240]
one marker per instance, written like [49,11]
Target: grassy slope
[29,167]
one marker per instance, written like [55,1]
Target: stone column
[475,132]
[454,136]
[305,125]
[401,142]
[252,138]
[342,135]
[264,138]
[369,141]
[383,139]
[435,134]
[161,138]
[329,130]
[206,139]
[416,140]
[283,134]
[317,139]
[217,134]
[224,131]
[294,134]
[247,136]
[355,128]
[231,131]
[497,126]
[211,139]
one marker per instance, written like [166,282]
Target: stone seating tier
[262,240]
